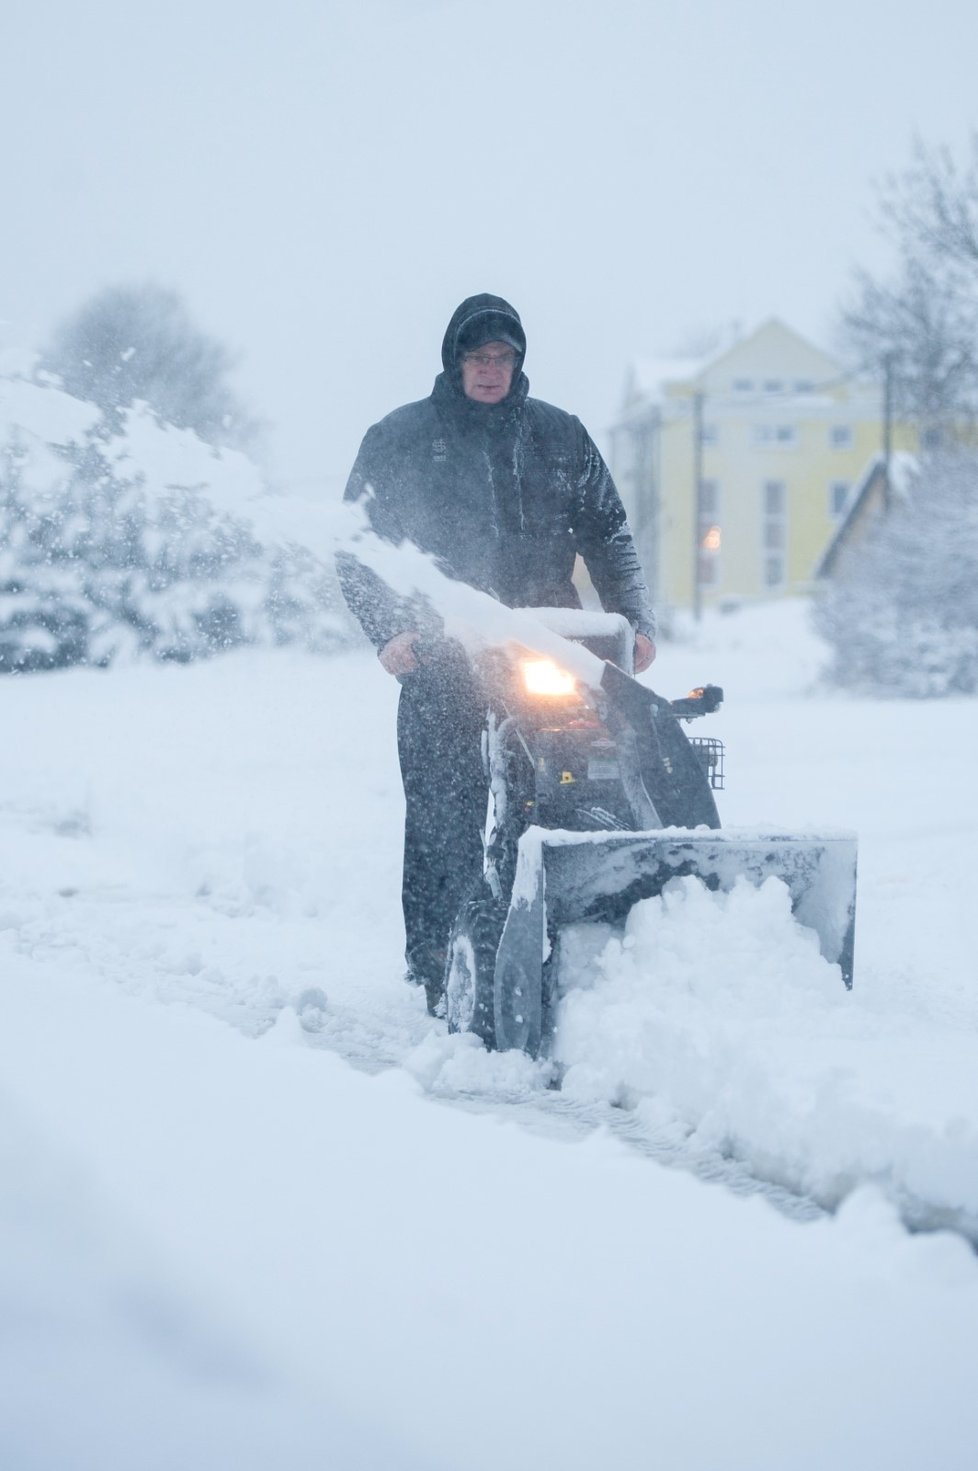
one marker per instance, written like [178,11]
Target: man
[504,490]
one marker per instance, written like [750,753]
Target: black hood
[482,319]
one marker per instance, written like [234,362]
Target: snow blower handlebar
[624,691]
[704,700]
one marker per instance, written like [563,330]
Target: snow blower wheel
[470,969]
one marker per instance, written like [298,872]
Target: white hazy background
[323,181]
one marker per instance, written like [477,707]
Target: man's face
[487,372]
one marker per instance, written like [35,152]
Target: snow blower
[597,800]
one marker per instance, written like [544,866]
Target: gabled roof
[647,377]
[771,349]
[770,345]
[867,494]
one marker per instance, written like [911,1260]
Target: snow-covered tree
[115,542]
[919,327]
[901,615]
[44,614]
[133,344]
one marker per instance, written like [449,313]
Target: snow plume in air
[472,617]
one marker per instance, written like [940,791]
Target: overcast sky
[324,181]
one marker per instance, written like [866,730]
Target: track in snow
[549,1111]
[545,1109]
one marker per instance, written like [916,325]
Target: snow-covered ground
[238,1230]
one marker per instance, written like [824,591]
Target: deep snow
[223,1244]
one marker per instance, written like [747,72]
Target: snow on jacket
[504,495]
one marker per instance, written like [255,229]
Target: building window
[709,570]
[710,535]
[804,385]
[709,434]
[711,539]
[840,436]
[773,571]
[775,498]
[773,385]
[743,385]
[839,498]
[775,436]
[774,532]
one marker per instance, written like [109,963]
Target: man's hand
[644,652]
[398,656]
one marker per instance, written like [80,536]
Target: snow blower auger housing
[598,798]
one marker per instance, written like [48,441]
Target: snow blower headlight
[544,677]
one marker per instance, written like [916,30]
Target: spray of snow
[472,617]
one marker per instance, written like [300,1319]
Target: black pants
[439,733]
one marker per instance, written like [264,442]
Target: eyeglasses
[502,360]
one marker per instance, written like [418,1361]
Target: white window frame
[774,528]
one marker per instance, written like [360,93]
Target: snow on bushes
[110,547]
[902,614]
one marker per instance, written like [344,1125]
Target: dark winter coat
[504,495]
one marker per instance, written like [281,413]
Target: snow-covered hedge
[111,547]
[901,616]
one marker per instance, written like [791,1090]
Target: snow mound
[716,1017]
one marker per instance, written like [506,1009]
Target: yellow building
[737,470]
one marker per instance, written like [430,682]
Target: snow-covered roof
[772,351]
[647,377]
[903,469]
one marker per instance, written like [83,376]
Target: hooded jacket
[504,495]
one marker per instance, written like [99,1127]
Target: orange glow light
[544,677]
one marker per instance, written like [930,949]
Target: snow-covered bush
[901,615]
[110,546]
